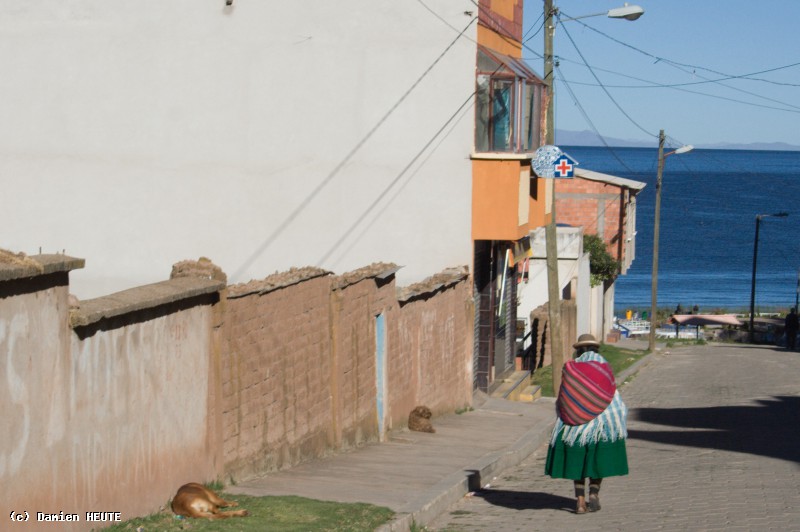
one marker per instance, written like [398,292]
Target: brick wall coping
[276,281]
[13,266]
[142,297]
[432,284]
[377,270]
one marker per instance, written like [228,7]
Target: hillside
[589,138]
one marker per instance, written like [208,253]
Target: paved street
[714,444]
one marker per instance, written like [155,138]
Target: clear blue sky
[731,37]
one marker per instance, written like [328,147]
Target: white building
[262,135]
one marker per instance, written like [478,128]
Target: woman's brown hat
[585,340]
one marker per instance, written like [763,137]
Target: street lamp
[656,224]
[551,248]
[626,11]
[755,261]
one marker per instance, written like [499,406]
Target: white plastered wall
[264,135]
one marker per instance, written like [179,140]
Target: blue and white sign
[550,162]
[564,167]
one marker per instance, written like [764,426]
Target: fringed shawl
[587,388]
[610,425]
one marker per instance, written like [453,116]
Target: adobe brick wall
[276,377]
[432,354]
[111,393]
[299,362]
[355,306]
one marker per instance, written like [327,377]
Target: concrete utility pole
[551,234]
[550,231]
[656,226]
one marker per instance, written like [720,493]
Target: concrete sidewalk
[420,475]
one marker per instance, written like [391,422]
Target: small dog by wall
[195,500]
[420,420]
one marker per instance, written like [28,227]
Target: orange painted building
[508,201]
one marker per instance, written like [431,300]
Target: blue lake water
[709,203]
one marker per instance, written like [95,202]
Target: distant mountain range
[589,138]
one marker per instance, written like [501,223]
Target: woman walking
[588,439]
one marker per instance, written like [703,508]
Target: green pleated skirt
[595,460]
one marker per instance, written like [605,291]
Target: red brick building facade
[604,205]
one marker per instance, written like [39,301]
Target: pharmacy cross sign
[564,167]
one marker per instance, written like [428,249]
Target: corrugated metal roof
[610,179]
[514,65]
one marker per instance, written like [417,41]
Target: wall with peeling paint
[110,418]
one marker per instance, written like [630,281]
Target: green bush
[602,266]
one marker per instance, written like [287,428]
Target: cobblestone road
[714,444]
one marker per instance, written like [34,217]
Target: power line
[614,101]
[589,120]
[541,25]
[706,81]
[683,67]
[338,168]
[696,67]
[394,181]
[714,96]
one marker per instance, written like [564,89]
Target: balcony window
[508,104]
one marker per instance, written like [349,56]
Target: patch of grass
[544,377]
[677,342]
[464,410]
[284,514]
[620,359]
[215,485]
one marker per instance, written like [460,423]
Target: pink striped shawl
[587,389]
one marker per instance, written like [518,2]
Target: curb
[433,502]
[636,367]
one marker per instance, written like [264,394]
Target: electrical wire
[525,37]
[338,168]
[714,96]
[613,100]
[589,120]
[696,67]
[705,81]
[683,68]
[395,181]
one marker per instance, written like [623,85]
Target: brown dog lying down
[420,419]
[195,500]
